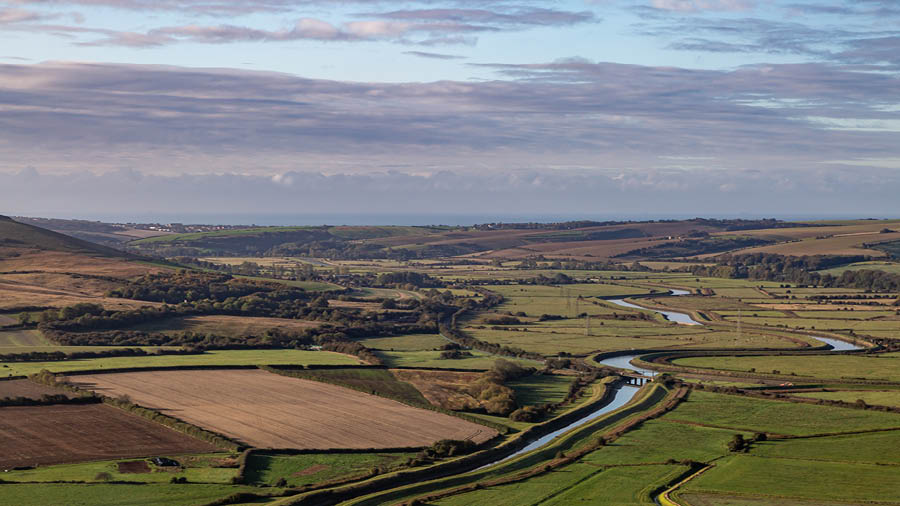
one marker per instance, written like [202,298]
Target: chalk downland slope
[42,268]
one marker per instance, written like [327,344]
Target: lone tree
[737,444]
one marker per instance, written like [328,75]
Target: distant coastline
[417,219]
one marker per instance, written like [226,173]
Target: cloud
[844,8]
[703,5]
[436,56]
[390,197]
[15,15]
[514,17]
[303,29]
[573,113]
[873,42]
[428,27]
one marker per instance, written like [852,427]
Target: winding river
[624,361]
[626,392]
[621,396]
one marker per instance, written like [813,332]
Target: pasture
[97,494]
[744,414]
[268,468]
[273,411]
[479,361]
[866,448]
[409,342]
[659,440]
[574,484]
[777,478]
[874,398]
[621,335]
[540,389]
[892,267]
[208,358]
[204,468]
[58,434]
[878,367]
[10,340]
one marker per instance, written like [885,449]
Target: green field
[12,339]
[612,335]
[43,494]
[659,440]
[171,238]
[883,366]
[536,300]
[267,468]
[849,315]
[541,389]
[573,290]
[410,342]
[821,323]
[892,267]
[867,448]
[776,417]
[777,478]
[575,484]
[209,358]
[479,361]
[196,469]
[886,398]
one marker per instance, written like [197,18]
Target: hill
[14,234]
[41,268]
[580,240]
[114,235]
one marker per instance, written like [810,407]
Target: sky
[183,108]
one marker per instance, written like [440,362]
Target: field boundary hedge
[155,368]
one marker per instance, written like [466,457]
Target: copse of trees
[800,270]
[51,356]
[490,390]
[403,278]
[193,286]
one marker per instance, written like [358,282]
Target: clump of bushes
[455,354]
[490,390]
[503,320]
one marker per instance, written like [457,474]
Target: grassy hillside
[649,239]
[288,241]
[20,235]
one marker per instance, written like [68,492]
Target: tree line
[800,270]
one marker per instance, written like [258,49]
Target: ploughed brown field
[28,389]
[266,410]
[59,434]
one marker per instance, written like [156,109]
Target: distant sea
[411,219]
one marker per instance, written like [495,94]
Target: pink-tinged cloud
[703,5]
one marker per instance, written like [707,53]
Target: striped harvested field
[266,410]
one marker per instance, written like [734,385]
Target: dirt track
[72,433]
[271,411]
